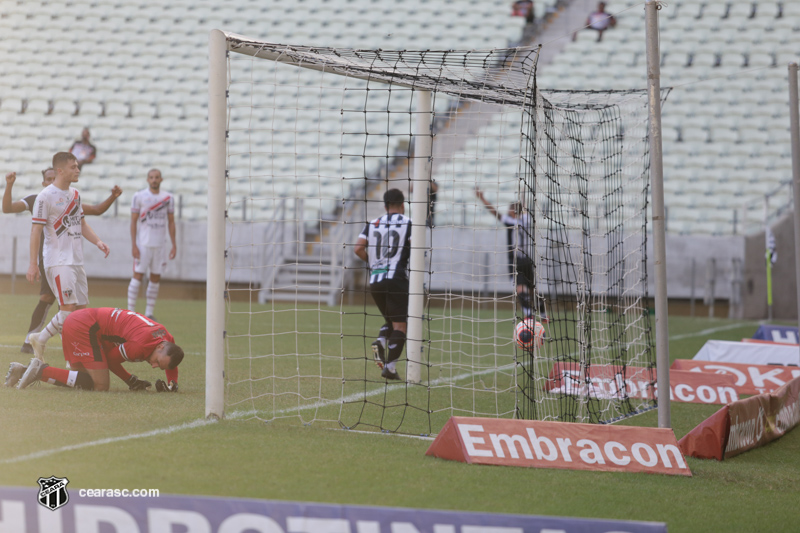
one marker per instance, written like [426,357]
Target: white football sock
[133,293]
[152,295]
[54,327]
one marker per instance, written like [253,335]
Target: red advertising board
[745,424]
[534,443]
[749,379]
[612,382]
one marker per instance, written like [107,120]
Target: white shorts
[152,259]
[69,284]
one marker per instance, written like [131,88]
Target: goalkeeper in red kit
[98,340]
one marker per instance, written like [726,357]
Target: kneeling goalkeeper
[385,243]
[98,340]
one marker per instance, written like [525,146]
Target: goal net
[303,143]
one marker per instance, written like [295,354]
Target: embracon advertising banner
[749,378]
[635,382]
[21,513]
[745,424]
[566,445]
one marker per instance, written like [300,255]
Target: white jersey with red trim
[61,214]
[152,210]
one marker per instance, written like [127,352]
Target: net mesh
[311,151]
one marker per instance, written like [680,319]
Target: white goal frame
[219,43]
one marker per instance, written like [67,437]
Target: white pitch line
[357,396]
[317,405]
[441,381]
[154,433]
[420,437]
[709,331]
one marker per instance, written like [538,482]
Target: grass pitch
[148,440]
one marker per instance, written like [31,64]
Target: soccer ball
[529,334]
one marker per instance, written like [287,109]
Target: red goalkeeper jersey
[129,336]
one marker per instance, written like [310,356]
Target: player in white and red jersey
[152,217]
[58,217]
[98,340]
[46,296]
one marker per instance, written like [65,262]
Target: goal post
[539,213]
[215,261]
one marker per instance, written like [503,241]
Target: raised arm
[9,206]
[102,207]
[490,207]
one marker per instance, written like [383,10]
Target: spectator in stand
[599,21]
[83,150]
[46,296]
[523,8]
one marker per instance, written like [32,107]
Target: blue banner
[782,334]
[21,510]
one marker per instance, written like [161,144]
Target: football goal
[525,203]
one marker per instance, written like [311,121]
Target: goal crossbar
[504,79]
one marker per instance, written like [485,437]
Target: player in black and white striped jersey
[385,243]
[519,222]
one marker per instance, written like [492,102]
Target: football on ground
[529,334]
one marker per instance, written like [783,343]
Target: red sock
[55,376]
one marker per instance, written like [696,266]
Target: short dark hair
[175,354]
[62,158]
[45,171]
[517,207]
[393,197]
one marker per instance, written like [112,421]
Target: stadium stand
[135,73]
[726,131]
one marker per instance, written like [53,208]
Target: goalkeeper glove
[162,386]
[136,384]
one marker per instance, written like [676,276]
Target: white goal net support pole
[423,142]
[659,213]
[794,128]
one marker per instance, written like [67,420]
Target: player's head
[66,164]
[166,356]
[85,134]
[48,176]
[154,179]
[394,201]
[515,209]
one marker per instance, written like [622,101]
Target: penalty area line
[110,440]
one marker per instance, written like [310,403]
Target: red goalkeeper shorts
[81,342]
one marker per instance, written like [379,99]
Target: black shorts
[524,271]
[391,297]
[44,287]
